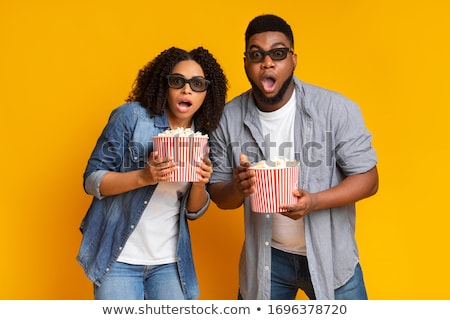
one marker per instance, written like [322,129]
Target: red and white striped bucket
[274,186]
[186,152]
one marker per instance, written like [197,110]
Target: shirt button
[107,269]
[135,158]
[266,268]
[120,248]
[266,243]
[132,226]
[145,202]
[267,216]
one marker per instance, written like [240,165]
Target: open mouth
[184,105]
[268,83]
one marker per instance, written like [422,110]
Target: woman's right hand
[157,169]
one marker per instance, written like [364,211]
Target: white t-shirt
[278,128]
[155,238]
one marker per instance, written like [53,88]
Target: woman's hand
[205,170]
[157,169]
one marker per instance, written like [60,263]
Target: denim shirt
[124,145]
[330,142]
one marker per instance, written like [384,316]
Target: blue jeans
[290,272]
[137,282]
[354,289]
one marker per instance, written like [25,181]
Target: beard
[259,95]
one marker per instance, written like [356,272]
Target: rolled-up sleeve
[93,181]
[354,150]
[202,211]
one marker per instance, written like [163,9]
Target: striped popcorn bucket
[186,152]
[274,186]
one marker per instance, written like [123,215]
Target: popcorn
[279,162]
[276,181]
[186,148]
[181,132]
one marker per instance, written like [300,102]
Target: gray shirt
[330,142]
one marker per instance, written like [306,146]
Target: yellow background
[66,64]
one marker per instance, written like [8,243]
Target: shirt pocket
[135,158]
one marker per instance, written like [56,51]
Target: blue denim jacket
[124,145]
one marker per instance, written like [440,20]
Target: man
[311,247]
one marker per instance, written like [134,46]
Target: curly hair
[150,87]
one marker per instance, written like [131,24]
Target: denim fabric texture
[124,145]
[136,282]
[293,274]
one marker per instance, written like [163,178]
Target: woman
[136,242]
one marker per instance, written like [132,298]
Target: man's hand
[305,203]
[243,178]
